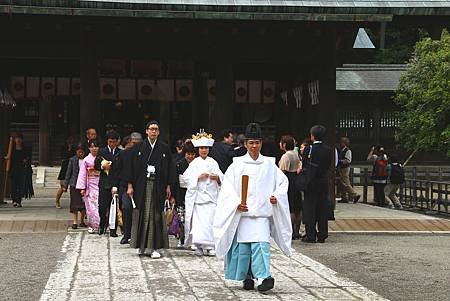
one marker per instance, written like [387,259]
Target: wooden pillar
[382,35]
[164,121]
[327,99]
[222,113]
[200,105]
[327,96]
[89,98]
[44,130]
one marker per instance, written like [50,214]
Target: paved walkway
[95,267]
[40,215]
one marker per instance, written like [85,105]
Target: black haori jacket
[136,171]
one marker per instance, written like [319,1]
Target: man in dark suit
[151,178]
[316,207]
[223,151]
[106,157]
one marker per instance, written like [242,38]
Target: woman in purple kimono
[87,183]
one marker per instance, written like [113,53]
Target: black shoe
[112,233]
[15,204]
[124,241]
[74,226]
[266,285]
[296,237]
[249,284]
[306,239]
[356,199]
[101,231]
[321,240]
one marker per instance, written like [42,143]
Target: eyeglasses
[153,129]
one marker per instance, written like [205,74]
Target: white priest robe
[263,220]
[200,201]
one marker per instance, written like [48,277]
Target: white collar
[152,144]
[113,150]
[248,159]
[317,142]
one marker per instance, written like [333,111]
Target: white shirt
[111,150]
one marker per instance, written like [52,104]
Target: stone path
[93,267]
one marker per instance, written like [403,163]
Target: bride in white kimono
[242,231]
[203,178]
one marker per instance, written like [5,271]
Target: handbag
[174,227]
[303,179]
[113,212]
[168,212]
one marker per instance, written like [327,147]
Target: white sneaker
[91,230]
[211,252]
[179,245]
[155,254]
[193,247]
[198,252]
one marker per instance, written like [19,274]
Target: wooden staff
[244,190]
[8,163]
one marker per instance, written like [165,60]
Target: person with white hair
[203,178]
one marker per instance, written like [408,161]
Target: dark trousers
[16,189]
[127,212]
[104,203]
[315,214]
[378,193]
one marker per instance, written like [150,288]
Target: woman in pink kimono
[87,183]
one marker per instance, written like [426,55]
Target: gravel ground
[398,267]
[26,262]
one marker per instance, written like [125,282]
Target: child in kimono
[87,183]
[203,178]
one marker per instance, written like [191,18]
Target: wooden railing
[425,188]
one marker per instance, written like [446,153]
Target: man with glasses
[151,175]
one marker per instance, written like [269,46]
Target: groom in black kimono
[151,177]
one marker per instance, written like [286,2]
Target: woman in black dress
[67,152]
[21,172]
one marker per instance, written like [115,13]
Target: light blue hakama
[248,260]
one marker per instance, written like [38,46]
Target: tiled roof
[320,3]
[319,10]
[368,77]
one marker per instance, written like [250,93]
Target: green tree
[400,43]
[424,94]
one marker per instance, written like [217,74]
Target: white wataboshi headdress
[202,139]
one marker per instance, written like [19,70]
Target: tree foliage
[424,95]
[400,43]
